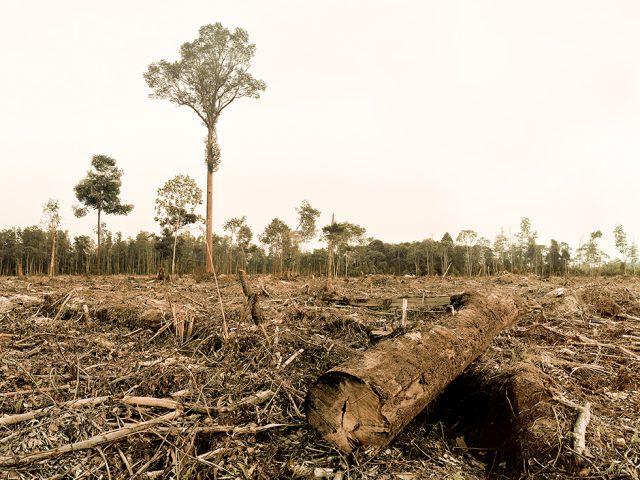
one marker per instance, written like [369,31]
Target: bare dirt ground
[128,377]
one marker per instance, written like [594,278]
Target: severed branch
[64,304]
[580,428]
[34,391]
[588,341]
[250,429]
[92,442]
[41,412]
[255,399]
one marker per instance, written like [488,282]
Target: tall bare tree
[212,72]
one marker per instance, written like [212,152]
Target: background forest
[282,249]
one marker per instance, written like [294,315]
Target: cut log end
[367,400]
[347,412]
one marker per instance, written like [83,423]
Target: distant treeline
[27,251]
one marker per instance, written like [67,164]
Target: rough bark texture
[252,307]
[369,399]
[532,416]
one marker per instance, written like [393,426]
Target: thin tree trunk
[212,160]
[175,242]
[99,234]
[209,221]
[330,258]
[52,264]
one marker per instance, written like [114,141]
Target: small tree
[467,238]
[589,253]
[565,257]
[212,72]
[633,256]
[526,241]
[233,226]
[446,251]
[307,216]
[100,191]
[277,236]
[339,236]
[622,245]
[51,221]
[244,237]
[553,257]
[500,249]
[175,207]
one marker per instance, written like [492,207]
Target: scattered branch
[92,442]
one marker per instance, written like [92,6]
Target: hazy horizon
[410,119]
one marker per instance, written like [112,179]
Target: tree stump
[252,307]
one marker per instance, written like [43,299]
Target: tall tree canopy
[212,72]
[277,236]
[100,191]
[307,216]
[339,236]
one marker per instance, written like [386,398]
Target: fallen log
[413,303]
[369,399]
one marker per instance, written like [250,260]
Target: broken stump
[252,307]
[369,399]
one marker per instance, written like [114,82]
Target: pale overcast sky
[410,118]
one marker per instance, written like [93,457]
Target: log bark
[369,399]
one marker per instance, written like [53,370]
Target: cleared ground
[153,364]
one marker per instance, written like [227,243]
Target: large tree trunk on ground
[369,399]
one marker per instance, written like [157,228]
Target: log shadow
[475,418]
[502,419]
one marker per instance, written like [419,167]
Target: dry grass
[239,402]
